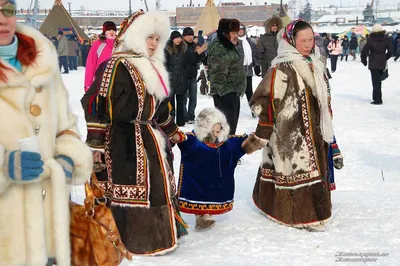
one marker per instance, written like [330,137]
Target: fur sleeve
[71,145]
[165,120]
[266,99]
[4,181]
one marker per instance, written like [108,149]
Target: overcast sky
[171,4]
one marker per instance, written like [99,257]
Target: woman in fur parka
[292,102]
[128,119]
[267,45]
[209,158]
[34,195]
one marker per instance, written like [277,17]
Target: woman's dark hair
[301,25]
[102,37]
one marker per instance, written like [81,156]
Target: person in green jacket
[227,74]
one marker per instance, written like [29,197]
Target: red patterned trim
[265,124]
[213,209]
[213,145]
[288,180]
[305,111]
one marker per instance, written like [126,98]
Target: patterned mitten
[253,143]
[337,157]
[23,165]
[67,165]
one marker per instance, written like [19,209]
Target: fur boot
[315,227]
[204,221]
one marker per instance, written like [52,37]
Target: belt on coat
[141,122]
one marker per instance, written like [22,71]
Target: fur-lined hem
[298,226]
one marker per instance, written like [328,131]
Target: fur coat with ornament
[128,119]
[292,185]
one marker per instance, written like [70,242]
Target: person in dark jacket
[200,37]
[176,66]
[346,48]
[353,45]
[267,45]
[85,52]
[378,50]
[397,49]
[193,56]
[250,60]
[227,75]
[326,41]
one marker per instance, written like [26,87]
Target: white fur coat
[34,227]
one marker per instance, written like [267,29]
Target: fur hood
[172,49]
[134,40]
[269,22]
[205,121]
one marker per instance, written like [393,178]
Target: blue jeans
[192,92]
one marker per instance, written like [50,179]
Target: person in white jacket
[335,49]
[34,195]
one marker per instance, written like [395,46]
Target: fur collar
[205,121]
[40,72]
[134,40]
[224,41]
[172,49]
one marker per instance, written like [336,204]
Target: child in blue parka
[209,158]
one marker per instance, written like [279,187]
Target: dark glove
[23,165]
[364,62]
[257,71]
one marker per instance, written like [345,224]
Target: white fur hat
[205,121]
[377,28]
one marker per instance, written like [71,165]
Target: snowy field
[366,204]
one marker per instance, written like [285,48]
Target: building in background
[246,14]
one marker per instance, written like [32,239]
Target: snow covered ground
[366,204]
